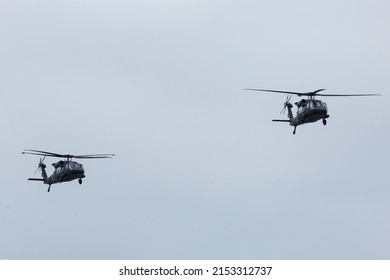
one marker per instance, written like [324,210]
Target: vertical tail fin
[289,111]
[44,174]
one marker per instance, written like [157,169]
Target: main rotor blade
[94,156]
[278,91]
[312,93]
[41,153]
[368,94]
[50,154]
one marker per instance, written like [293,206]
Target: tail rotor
[40,165]
[288,98]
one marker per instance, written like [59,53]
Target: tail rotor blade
[285,104]
[39,166]
[283,110]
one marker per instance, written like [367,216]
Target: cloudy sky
[200,170]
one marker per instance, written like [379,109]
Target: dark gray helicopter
[64,170]
[310,109]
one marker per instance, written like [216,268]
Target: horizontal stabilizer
[281,121]
[36,179]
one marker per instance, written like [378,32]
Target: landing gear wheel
[80,181]
[295,128]
[324,121]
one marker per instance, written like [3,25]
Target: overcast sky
[200,170]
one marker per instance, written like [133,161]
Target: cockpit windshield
[74,165]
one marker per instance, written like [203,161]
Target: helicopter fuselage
[309,110]
[66,171]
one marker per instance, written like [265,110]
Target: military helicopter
[64,170]
[309,110]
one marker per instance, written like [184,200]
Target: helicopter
[309,109]
[65,170]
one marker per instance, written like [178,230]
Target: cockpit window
[73,165]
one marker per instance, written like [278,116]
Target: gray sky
[201,172]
